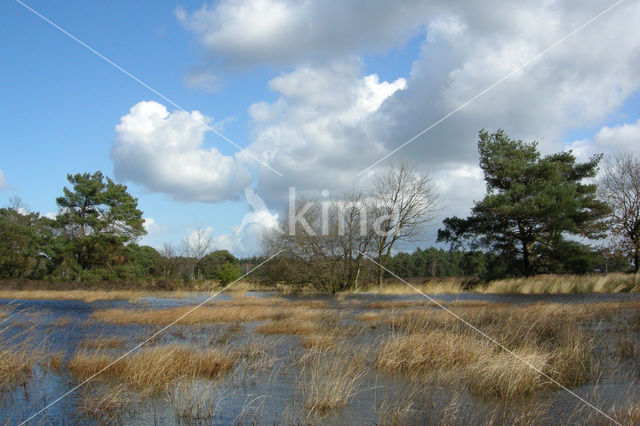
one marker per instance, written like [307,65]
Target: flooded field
[268,358]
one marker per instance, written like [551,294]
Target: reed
[329,380]
[153,369]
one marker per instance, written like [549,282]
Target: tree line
[93,238]
[540,214]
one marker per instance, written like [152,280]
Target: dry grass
[291,326]
[547,336]
[194,404]
[538,284]
[105,403]
[19,352]
[202,315]
[17,361]
[321,341]
[63,322]
[426,352]
[378,317]
[451,285]
[153,369]
[505,376]
[245,309]
[563,284]
[329,380]
[87,295]
[103,343]
[54,360]
[397,304]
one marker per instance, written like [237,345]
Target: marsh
[266,358]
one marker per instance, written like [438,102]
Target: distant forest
[541,214]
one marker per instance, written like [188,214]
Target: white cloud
[322,129]
[164,152]
[625,137]
[330,121]
[243,240]
[253,32]
[316,127]
[150,225]
[3,181]
[609,140]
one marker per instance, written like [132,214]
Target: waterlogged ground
[355,359]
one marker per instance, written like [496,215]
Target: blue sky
[61,102]
[304,106]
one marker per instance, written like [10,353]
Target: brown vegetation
[544,336]
[152,369]
[103,343]
[329,380]
[230,311]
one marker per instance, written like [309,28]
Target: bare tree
[327,246]
[326,249]
[620,189]
[197,245]
[170,259]
[17,204]
[404,201]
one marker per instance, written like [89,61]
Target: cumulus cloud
[610,140]
[316,128]
[164,152]
[3,181]
[243,239]
[254,32]
[150,225]
[330,121]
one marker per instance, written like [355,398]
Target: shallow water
[271,395]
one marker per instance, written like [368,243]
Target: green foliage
[220,265]
[434,262]
[228,272]
[532,204]
[23,240]
[97,216]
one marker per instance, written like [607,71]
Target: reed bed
[537,284]
[19,351]
[87,295]
[545,336]
[202,315]
[291,326]
[398,304]
[427,352]
[17,360]
[451,285]
[329,380]
[231,311]
[105,403]
[103,343]
[153,369]
[564,284]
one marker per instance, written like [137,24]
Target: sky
[309,93]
